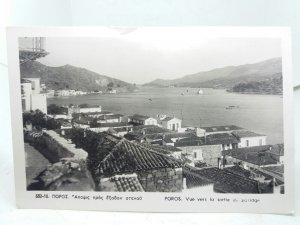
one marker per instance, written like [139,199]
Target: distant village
[91,149]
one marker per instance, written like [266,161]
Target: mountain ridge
[72,77]
[225,77]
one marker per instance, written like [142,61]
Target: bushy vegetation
[96,145]
[39,120]
[269,86]
[54,109]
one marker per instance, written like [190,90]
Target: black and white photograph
[172,111]
[118,115]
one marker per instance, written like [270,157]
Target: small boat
[232,107]
[199,92]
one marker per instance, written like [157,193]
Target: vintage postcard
[152,119]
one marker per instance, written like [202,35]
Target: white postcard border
[152,202]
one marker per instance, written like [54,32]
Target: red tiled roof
[128,157]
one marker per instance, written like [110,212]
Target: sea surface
[262,114]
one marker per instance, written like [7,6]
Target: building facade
[32,99]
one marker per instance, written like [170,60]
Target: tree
[54,109]
[110,84]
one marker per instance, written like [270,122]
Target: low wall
[54,147]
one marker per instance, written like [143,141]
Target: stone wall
[53,146]
[207,153]
[161,180]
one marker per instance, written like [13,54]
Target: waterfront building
[89,109]
[101,127]
[115,118]
[142,120]
[171,123]
[32,99]
[249,139]
[221,129]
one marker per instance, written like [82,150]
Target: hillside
[71,77]
[226,77]
[269,86]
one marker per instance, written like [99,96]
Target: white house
[249,139]
[32,99]
[171,123]
[142,120]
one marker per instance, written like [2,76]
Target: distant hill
[71,77]
[226,77]
[271,85]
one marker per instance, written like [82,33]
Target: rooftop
[238,171]
[168,118]
[107,117]
[278,170]
[246,133]
[255,155]
[128,157]
[83,120]
[212,139]
[89,106]
[97,113]
[150,129]
[225,181]
[139,117]
[277,150]
[121,124]
[164,149]
[150,132]
[124,183]
[221,128]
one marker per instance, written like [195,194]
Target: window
[260,142]
[195,155]
[247,143]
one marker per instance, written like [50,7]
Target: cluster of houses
[69,92]
[225,159]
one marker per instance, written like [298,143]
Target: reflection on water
[259,113]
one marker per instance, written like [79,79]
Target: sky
[140,56]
